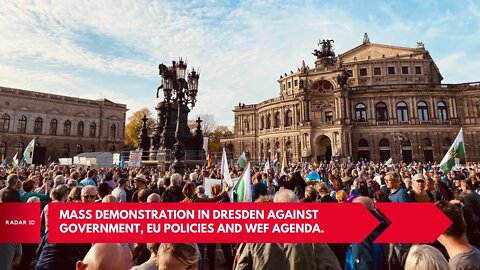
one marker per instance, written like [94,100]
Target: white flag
[267,166]
[28,153]
[224,169]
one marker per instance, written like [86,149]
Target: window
[402,112]
[113,131]
[247,125]
[391,70]
[328,117]
[288,118]
[363,72]
[262,122]
[427,142]
[381,112]
[377,71]
[361,113]
[422,111]
[284,86]
[80,127]
[295,83]
[350,73]
[5,124]
[276,123]
[79,149]
[22,124]
[93,130]
[442,111]
[418,70]
[92,148]
[19,147]
[66,150]
[404,70]
[67,128]
[289,85]
[53,127]
[268,121]
[363,143]
[37,127]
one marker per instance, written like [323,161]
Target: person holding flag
[457,150]
[243,189]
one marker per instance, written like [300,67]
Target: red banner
[19,222]
[210,222]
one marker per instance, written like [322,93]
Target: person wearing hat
[140,182]
[119,192]
[418,193]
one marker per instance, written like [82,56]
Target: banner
[65,161]
[135,158]
[116,159]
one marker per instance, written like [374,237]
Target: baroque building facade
[372,102]
[64,126]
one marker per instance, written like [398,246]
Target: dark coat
[173,194]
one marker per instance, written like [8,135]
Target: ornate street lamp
[181,90]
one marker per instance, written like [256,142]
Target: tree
[214,144]
[208,123]
[134,126]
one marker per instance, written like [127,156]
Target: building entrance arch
[323,148]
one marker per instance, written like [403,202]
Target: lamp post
[180,89]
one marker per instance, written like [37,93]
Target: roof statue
[420,45]
[366,40]
[326,49]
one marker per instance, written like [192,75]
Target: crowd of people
[456,194]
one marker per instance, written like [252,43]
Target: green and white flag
[457,150]
[389,162]
[15,161]
[242,161]
[28,153]
[243,189]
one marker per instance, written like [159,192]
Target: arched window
[247,125]
[276,122]
[37,127]
[92,148]
[427,142]
[384,143]
[262,122]
[93,130]
[53,127]
[79,149]
[381,112]
[5,125]
[113,148]
[67,128]
[66,150]
[19,149]
[361,113]
[268,121]
[80,128]
[3,149]
[402,112]
[288,118]
[113,131]
[363,143]
[447,143]
[442,111]
[422,111]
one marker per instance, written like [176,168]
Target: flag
[275,162]
[224,169]
[243,189]
[389,162]
[122,162]
[15,161]
[209,159]
[267,166]
[457,150]
[284,162]
[28,153]
[242,161]
[5,162]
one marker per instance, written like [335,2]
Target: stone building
[64,126]
[374,101]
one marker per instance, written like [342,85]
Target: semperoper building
[64,126]
[372,102]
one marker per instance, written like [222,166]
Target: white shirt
[120,194]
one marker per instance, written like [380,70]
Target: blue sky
[111,49]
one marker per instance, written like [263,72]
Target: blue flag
[5,162]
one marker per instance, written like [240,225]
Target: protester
[178,256]
[103,257]
[425,257]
